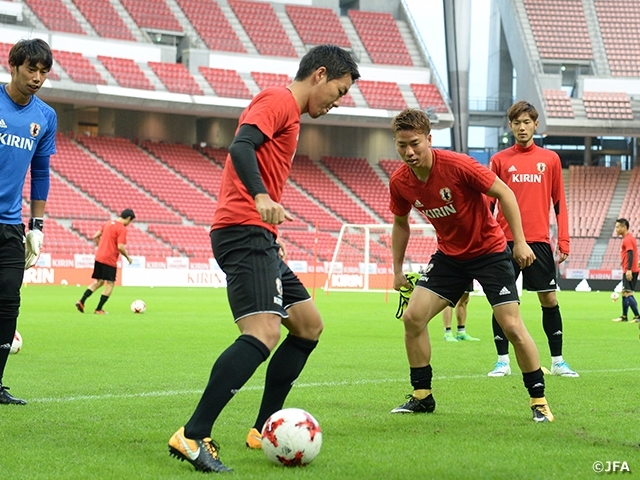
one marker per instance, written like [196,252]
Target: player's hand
[282,253]
[563,257]
[271,212]
[33,244]
[523,254]
[400,280]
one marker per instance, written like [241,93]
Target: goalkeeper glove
[33,243]
[405,293]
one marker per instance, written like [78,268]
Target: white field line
[345,383]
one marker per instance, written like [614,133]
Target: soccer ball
[138,306]
[614,296]
[16,345]
[291,437]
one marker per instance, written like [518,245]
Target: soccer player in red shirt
[111,240]
[449,189]
[629,260]
[263,292]
[535,176]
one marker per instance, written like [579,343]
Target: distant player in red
[263,292]
[449,189]
[535,176]
[629,262]
[111,240]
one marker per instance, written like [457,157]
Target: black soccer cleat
[7,399]
[413,405]
[202,454]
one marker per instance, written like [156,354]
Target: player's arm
[123,251]
[96,237]
[560,208]
[39,191]
[243,156]
[522,253]
[400,233]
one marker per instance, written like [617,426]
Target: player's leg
[305,326]
[447,316]
[106,294]
[98,282]
[11,274]
[461,317]
[496,275]
[445,286]
[631,299]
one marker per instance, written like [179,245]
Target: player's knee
[414,322]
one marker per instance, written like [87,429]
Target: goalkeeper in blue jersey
[27,140]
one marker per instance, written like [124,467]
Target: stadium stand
[176,78]
[126,72]
[380,36]
[226,83]
[558,104]
[163,183]
[92,177]
[152,15]
[590,192]
[61,241]
[631,203]
[212,26]
[104,19]
[385,95]
[560,29]
[313,180]
[619,26]
[307,210]
[607,105]
[581,249]
[317,25]
[429,97]
[78,67]
[266,80]
[218,155]
[389,165]
[55,16]
[305,242]
[359,176]
[611,259]
[193,240]
[264,28]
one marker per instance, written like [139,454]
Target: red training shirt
[629,243]
[275,112]
[113,233]
[535,176]
[453,201]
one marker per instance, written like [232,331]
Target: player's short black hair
[336,60]
[128,213]
[34,51]
[623,221]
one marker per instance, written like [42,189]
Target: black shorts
[629,285]
[541,275]
[104,272]
[450,278]
[12,242]
[258,281]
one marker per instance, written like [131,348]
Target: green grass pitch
[105,393]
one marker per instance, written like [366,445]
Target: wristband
[36,224]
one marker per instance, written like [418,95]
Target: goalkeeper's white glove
[33,243]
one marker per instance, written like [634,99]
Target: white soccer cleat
[562,369]
[502,369]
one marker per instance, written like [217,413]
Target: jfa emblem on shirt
[541,167]
[34,129]
[445,194]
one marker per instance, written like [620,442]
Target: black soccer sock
[633,304]
[283,370]
[499,338]
[103,300]
[534,383]
[87,293]
[552,325]
[625,306]
[10,282]
[230,372]
[421,377]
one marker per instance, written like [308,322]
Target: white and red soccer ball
[138,306]
[291,437]
[16,345]
[615,296]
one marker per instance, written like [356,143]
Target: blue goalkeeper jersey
[27,138]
